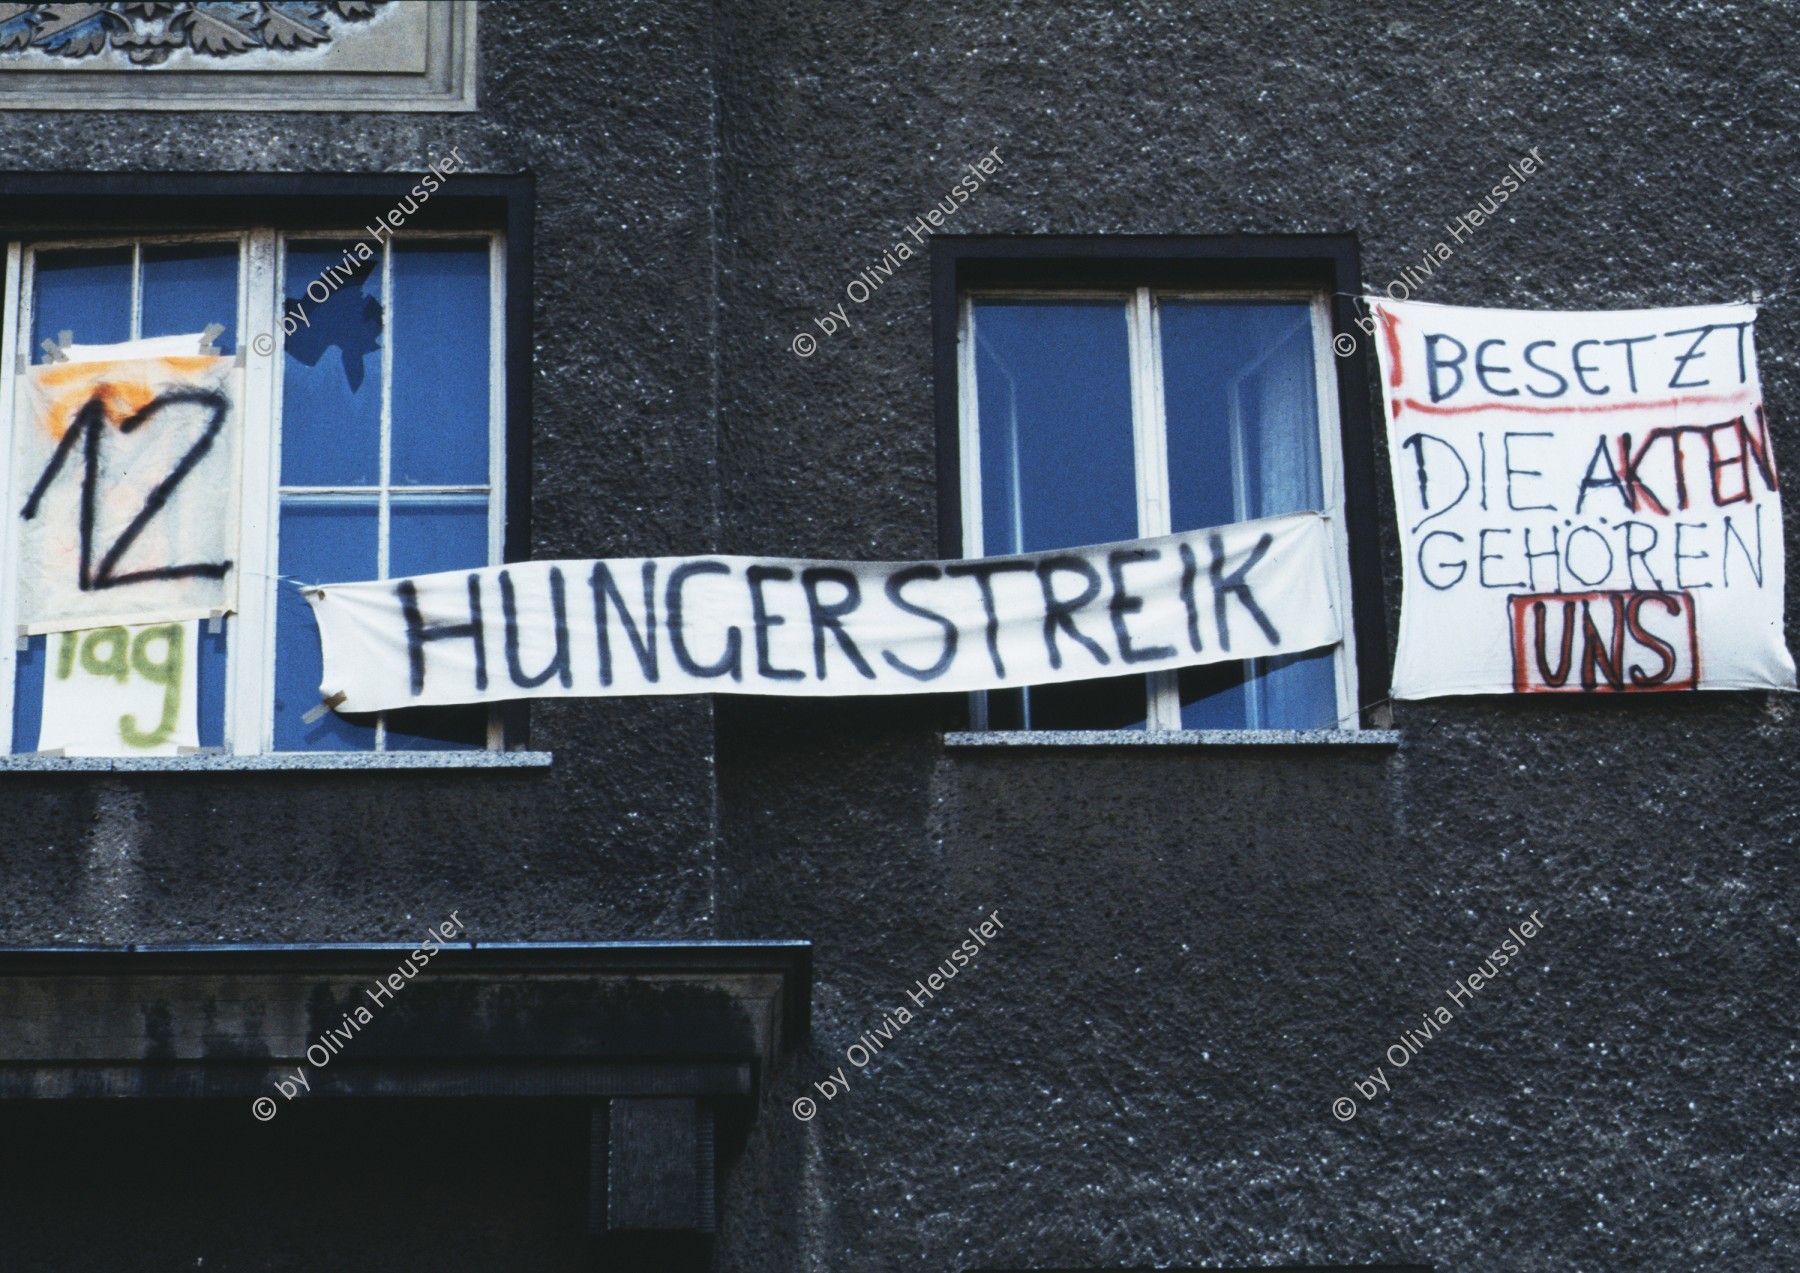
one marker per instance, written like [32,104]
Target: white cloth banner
[125,463]
[752,625]
[1587,501]
[122,691]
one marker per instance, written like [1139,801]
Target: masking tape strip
[314,713]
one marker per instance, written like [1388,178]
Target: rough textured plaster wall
[1203,949]
[610,107]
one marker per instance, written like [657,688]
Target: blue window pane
[1241,400]
[189,285]
[331,371]
[1058,467]
[441,343]
[211,686]
[1053,382]
[324,539]
[86,291]
[1290,691]
[28,695]
[428,533]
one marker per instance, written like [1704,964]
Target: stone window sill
[281,762]
[1307,738]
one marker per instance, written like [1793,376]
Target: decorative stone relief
[239,54]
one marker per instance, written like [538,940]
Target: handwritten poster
[751,625]
[122,691]
[126,459]
[1587,501]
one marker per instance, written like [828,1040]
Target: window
[1126,406]
[374,443]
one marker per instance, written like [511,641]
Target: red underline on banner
[1693,400]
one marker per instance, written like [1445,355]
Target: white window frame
[250,657]
[1151,462]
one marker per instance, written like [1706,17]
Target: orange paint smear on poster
[121,385]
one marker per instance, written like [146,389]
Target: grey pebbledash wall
[1204,948]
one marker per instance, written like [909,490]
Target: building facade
[699,993]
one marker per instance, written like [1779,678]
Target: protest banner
[122,691]
[1587,501]
[126,469]
[718,624]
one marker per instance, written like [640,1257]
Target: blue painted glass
[1058,466]
[331,369]
[441,342]
[189,285]
[28,695]
[1053,382]
[211,688]
[324,539]
[1240,396]
[1241,400]
[85,291]
[426,534]
[1292,691]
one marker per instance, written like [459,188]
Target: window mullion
[1331,486]
[1150,437]
[251,652]
[137,289]
[384,511]
[1149,433]
[969,427]
[497,457]
[12,347]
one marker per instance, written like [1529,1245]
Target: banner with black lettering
[1587,501]
[754,625]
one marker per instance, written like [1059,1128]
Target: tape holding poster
[1587,501]
[698,625]
[127,480]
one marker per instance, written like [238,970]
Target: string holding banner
[755,625]
[1587,502]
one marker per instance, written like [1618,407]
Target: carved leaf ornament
[147,33]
